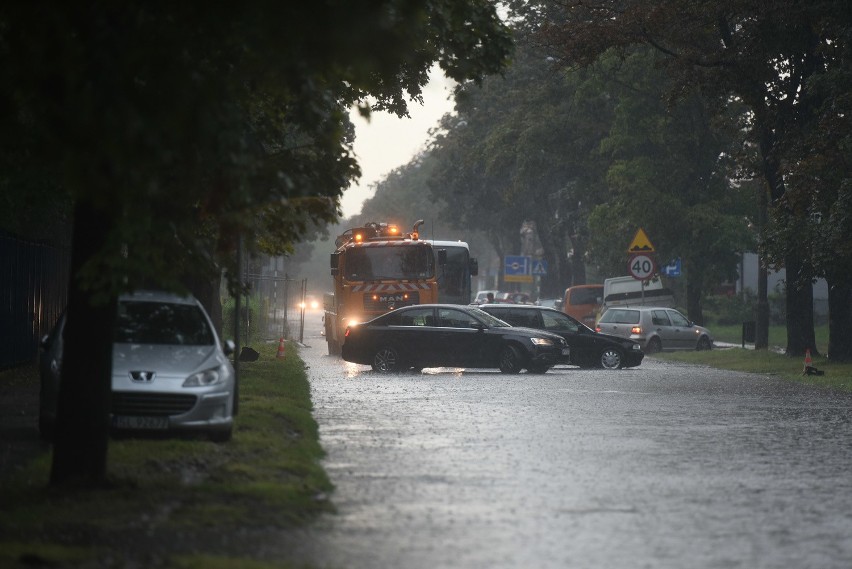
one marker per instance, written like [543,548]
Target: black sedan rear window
[161,323]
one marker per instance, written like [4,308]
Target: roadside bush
[255,318]
[729,310]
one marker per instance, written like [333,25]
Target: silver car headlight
[542,341]
[205,378]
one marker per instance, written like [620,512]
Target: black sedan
[588,348]
[446,335]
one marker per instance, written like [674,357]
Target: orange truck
[377,268]
[583,302]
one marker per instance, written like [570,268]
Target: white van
[627,291]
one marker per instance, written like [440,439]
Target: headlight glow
[204,378]
[542,341]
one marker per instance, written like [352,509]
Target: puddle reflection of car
[170,372]
[588,347]
[439,335]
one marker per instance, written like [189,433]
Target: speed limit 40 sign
[641,267]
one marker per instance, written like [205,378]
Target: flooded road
[660,466]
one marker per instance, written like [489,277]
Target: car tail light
[346,334]
[598,328]
[636,330]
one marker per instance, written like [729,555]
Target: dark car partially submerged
[588,347]
[444,335]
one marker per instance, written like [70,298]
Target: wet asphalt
[660,466]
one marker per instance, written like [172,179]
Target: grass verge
[837,375]
[777,336]
[169,495]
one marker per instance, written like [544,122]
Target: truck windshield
[395,262]
[585,295]
[454,277]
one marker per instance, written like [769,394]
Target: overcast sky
[387,142]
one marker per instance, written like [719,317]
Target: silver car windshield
[161,323]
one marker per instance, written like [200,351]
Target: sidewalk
[19,440]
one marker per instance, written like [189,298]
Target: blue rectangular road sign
[516,268]
[539,267]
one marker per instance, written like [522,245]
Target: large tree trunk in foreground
[839,321]
[206,289]
[800,310]
[82,421]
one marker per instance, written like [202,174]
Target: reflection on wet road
[659,466]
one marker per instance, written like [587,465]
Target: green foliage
[731,310]
[193,127]
[787,63]
[523,147]
[667,177]
[254,310]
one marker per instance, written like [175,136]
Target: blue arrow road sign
[672,269]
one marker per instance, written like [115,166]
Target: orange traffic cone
[809,369]
[280,348]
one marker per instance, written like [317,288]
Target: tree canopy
[181,130]
[775,57]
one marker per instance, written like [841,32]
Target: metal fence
[33,293]
[277,305]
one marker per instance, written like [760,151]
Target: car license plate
[130,422]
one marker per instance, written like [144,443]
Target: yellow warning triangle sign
[640,243]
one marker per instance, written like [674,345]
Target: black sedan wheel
[510,360]
[538,368]
[386,359]
[704,343]
[611,359]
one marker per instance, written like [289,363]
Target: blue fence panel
[33,293]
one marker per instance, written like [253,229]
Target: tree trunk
[694,291]
[82,420]
[554,245]
[761,338]
[839,321]
[206,290]
[800,309]
[578,261]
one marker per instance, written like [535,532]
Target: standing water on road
[664,465]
